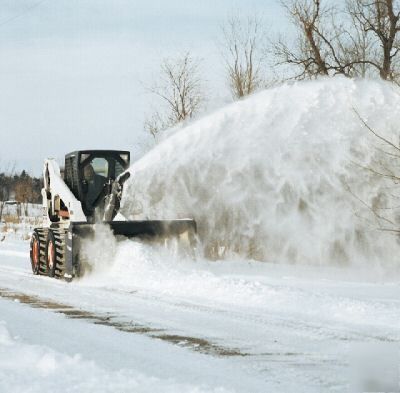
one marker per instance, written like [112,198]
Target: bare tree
[181,91]
[4,193]
[243,54]
[359,39]
[384,206]
[155,123]
[324,46]
[358,43]
[308,54]
[24,192]
[5,186]
[381,20]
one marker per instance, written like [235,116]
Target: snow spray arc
[281,175]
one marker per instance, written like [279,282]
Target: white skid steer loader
[89,191]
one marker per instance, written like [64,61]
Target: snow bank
[279,176]
[31,368]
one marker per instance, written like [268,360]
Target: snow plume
[286,175]
[98,251]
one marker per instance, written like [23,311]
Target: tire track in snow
[197,344]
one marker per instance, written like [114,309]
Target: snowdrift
[287,175]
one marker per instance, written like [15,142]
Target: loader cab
[88,173]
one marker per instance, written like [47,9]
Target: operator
[95,184]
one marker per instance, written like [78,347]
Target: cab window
[100,166]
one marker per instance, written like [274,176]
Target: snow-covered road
[153,323]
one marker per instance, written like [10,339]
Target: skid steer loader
[89,192]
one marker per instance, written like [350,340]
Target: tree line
[357,38]
[21,188]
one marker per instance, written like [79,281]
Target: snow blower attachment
[89,193]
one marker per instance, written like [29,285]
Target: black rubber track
[58,237]
[41,234]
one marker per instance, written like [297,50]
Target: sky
[73,73]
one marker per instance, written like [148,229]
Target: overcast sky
[72,72]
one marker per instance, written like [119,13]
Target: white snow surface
[279,176]
[32,368]
[296,325]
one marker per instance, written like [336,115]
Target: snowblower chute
[88,194]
